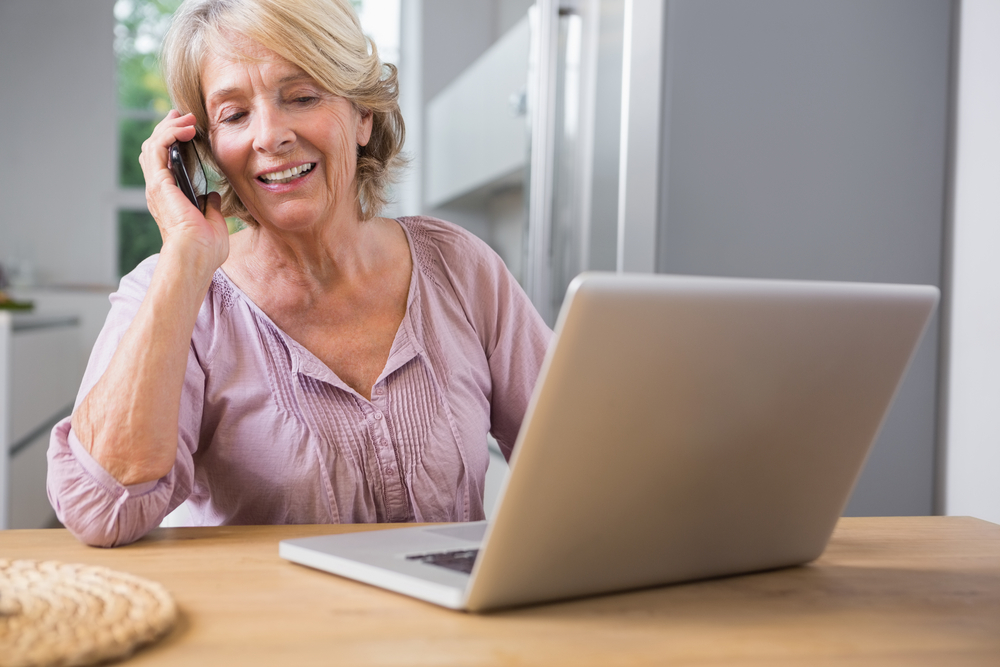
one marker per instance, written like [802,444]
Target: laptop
[681,428]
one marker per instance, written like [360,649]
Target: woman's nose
[272,134]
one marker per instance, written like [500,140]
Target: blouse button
[378,415]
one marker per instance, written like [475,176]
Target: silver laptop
[681,428]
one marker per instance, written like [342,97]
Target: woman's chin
[290,220]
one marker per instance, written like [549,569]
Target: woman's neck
[282,267]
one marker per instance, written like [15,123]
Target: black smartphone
[179,169]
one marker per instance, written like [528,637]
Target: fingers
[165,200]
[213,212]
[173,128]
[213,207]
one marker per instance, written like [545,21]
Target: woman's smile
[283,176]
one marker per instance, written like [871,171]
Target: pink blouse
[269,434]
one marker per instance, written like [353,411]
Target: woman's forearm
[129,419]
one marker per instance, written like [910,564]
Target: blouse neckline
[405,345]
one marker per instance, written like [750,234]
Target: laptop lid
[688,427]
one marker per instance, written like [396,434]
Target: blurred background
[808,139]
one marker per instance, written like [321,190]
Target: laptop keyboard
[462,560]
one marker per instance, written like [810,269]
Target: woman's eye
[304,99]
[233,117]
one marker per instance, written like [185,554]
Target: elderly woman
[324,364]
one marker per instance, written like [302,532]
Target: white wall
[58,138]
[455,32]
[972,431]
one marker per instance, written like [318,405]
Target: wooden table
[888,591]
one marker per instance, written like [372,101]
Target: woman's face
[287,146]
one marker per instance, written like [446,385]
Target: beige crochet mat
[63,614]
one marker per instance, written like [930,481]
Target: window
[380,21]
[142,102]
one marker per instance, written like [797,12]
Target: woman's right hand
[201,240]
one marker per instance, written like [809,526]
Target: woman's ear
[365,126]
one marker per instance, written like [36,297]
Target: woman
[323,365]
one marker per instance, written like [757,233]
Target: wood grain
[888,591]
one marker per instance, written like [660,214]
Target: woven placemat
[64,614]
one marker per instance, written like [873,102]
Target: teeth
[287,174]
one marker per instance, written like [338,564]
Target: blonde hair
[324,39]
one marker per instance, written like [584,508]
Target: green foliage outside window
[139,29]
[142,95]
[138,238]
[142,102]
[131,133]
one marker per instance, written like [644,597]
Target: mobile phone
[179,169]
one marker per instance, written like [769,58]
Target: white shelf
[475,135]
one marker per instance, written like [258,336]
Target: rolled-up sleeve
[98,509]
